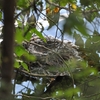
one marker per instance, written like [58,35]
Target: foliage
[84,80]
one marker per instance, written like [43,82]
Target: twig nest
[52,52]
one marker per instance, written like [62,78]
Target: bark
[7,50]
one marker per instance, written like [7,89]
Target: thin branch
[40,98]
[38,75]
[24,10]
[92,95]
[52,21]
[91,11]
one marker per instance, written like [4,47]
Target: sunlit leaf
[25,66]
[72,91]
[64,2]
[23,54]
[19,50]
[19,35]
[16,64]
[29,33]
[39,34]
[22,3]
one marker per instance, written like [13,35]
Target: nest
[50,55]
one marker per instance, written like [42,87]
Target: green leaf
[88,44]
[0,16]
[23,54]
[39,34]
[22,3]
[25,66]
[29,34]
[19,36]
[74,22]
[16,64]
[29,57]
[63,2]
[72,91]
[78,40]
[19,50]
[90,16]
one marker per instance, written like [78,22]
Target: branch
[37,75]
[51,20]
[24,10]
[40,98]
[92,95]
[91,11]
